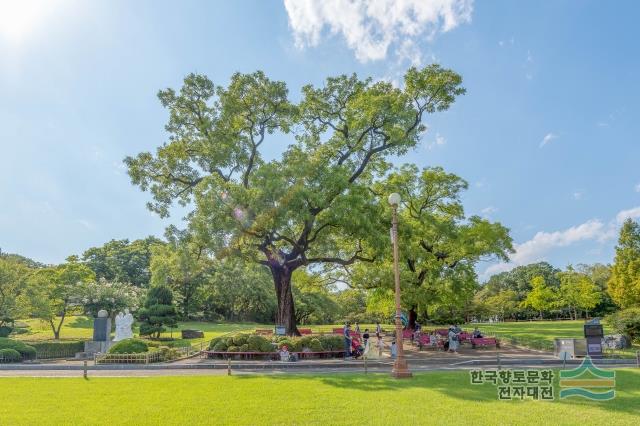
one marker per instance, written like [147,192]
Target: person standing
[453,340]
[357,330]
[347,341]
[378,329]
[365,338]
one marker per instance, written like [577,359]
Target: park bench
[406,334]
[464,336]
[425,342]
[442,331]
[484,341]
[305,331]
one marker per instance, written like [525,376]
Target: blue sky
[547,135]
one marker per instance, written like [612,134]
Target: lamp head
[394,199]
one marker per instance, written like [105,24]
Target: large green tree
[13,274]
[53,292]
[312,206]
[624,284]
[439,245]
[184,265]
[577,291]
[541,297]
[122,260]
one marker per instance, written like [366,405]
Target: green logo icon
[588,381]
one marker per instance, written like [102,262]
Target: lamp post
[400,368]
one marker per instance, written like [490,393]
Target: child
[284,353]
[380,345]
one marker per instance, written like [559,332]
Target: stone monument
[101,336]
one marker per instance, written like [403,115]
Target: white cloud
[548,138]
[537,248]
[370,28]
[88,225]
[439,141]
[578,195]
[637,187]
[488,211]
[633,213]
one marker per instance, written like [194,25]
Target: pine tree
[158,312]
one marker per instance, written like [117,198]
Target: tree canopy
[313,205]
[624,284]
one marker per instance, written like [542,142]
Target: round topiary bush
[233,349]
[129,346]
[10,355]
[26,351]
[244,348]
[221,346]
[258,343]
[314,345]
[240,339]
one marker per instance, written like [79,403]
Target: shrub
[233,349]
[331,342]
[214,342]
[158,312]
[244,348]
[5,331]
[26,351]
[315,345]
[240,339]
[626,322]
[258,343]
[10,355]
[129,346]
[57,349]
[220,346]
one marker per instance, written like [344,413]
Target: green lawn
[81,328]
[428,398]
[540,334]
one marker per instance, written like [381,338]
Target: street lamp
[400,367]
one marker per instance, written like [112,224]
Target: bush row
[57,349]
[25,351]
[254,343]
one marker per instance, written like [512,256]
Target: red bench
[442,331]
[425,341]
[305,331]
[464,336]
[338,331]
[406,334]
[484,341]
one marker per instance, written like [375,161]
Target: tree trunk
[285,315]
[413,316]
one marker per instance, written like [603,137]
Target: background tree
[53,292]
[504,304]
[123,261]
[13,276]
[577,291]
[158,312]
[112,296]
[541,297]
[519,279]
[314,301]
[239,291]
[183,265]
[624,284]
[600,275]
[439,245]
[312,207]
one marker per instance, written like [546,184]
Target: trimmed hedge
[256,343]
[129,346]
[47,350]
[10,355]
[26,351]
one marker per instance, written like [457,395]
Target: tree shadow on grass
[81,322]
[456,384]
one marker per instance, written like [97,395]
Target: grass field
[428,398]
[81,328]
[540,334]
